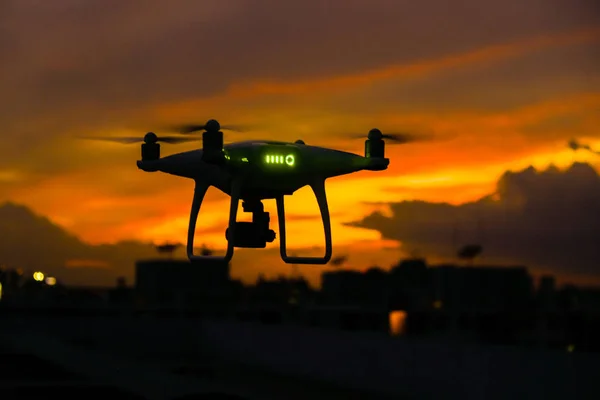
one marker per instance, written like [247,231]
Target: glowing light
[437,304]
[571,348]
[280,159]
[38,276]
[0,291]
[397,321]
[50,281]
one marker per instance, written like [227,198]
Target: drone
[256,170]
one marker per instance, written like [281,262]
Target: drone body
[253,171]
[268,168]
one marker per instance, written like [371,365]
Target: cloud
[148,53]
[453,193]
[427,67]
[546,219]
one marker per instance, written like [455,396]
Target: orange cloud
[484,55]
[478,56]
[495,137]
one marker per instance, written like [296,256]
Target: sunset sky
[500,84]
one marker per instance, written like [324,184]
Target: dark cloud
[546,219]
[86,56]
[32,242]
[533,77]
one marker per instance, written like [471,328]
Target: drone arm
[318,188]
[199,193]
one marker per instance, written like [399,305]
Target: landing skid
[319,190]
[200,190]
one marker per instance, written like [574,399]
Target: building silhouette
[170,283]
[484,304]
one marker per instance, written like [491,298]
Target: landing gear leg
[199,193]
[318,188]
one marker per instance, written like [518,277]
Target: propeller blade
[124,140]
[131,140]
[189,128]
[396,138]
[237,128]
[176,139]
[403,138]
[192,128]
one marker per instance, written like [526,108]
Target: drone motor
[150,147]
[374,145]
[212,143]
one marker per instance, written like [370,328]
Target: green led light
[289,159]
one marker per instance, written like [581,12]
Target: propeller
[211,126]
[148,138]
[393,138]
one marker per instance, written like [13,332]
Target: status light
[280,159]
